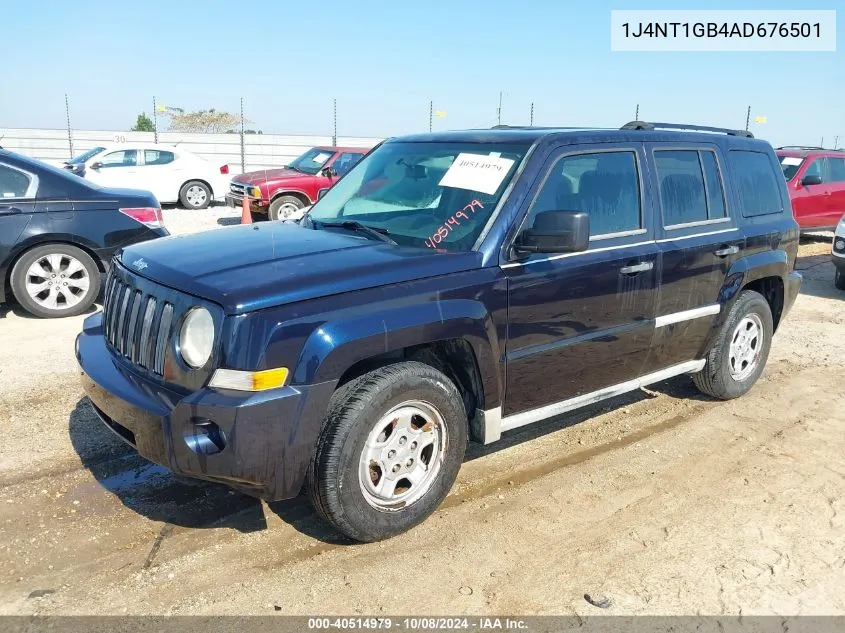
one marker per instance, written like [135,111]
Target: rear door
[161,172]
[580,322]
[699,240]
[18,189]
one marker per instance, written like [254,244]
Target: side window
[836,169]
[605,185]
[123,158]
[690,186]
[756,184]
[157,157]
[816,168]
[345,162]
[15,184]
[682,193]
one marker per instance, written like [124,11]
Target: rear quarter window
[756,183]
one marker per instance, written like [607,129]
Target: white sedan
[171,173]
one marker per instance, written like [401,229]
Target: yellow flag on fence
[161,108]
[440,113]
[760,119]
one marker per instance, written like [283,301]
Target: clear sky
[383,61]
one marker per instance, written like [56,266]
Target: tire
[77,290]
[338,484]
[195,195]
[839,280]
[283,206]
[751,313]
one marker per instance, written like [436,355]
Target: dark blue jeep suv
[449,287]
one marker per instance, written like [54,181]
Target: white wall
[261,150]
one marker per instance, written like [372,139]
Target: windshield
[312,161]
[78,160]
[790,166]
[429,195]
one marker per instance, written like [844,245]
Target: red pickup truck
[277,194]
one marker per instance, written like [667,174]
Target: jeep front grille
[137,325]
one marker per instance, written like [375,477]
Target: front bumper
[257,443]
[235,201]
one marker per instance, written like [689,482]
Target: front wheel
[741,349]
[839,280]
[284,207]
[390,449]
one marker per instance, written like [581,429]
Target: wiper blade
[353,225]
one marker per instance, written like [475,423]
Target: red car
[277,194]
[816,182]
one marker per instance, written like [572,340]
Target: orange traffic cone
[246,216]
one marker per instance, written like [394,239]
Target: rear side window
[605,185]
[157,157]
[836,169]
[756,186]
[690,186]
[14,183]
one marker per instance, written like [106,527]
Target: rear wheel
[195,195]
[55,280]
[391,446]
[741,349]
[839,280]
[284,206]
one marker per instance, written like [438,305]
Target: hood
[266,175]
[254,266]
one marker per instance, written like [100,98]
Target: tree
[208,121]
[143,124]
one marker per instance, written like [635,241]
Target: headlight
[255,192]
[196,338]
[839,245]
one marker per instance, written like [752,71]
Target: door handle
[9,210]
[726,250]
[633,269]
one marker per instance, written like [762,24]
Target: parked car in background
[838,253]
[816,182]
[58,233]
[452,286]
[171,173]
[280,194]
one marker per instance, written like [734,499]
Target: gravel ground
[662,501]
[178,220]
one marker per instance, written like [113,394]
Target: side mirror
[96,165]
[811,180]
[328,172]
[556,232]
[321,193]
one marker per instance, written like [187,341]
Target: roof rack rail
[647,125]
[799,147]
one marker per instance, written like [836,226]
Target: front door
[580,322]
[699,242]
[811,203]
[115,169]
[836,201]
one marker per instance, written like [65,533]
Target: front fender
[337,345]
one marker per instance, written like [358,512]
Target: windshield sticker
[449,225]
[321,158]
[477,173]
[791,160]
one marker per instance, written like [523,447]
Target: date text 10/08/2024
[724,29]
